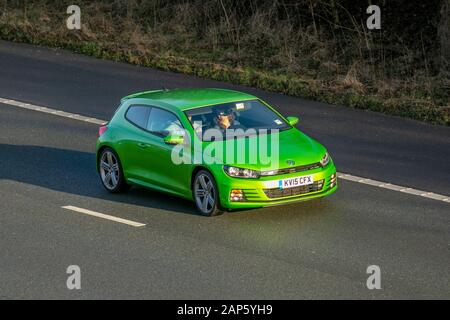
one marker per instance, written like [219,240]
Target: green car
[220,148]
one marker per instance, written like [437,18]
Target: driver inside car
[226,119]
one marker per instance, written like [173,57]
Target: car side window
[163,123]
[138,115]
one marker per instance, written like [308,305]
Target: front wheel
[206,194]
[111,173]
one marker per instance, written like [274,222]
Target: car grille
[292,170]
[280,193]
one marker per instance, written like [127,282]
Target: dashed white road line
[104,216]
[394,187]
[344,176]
[55,112]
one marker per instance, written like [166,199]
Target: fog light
[237,195]
[333,179]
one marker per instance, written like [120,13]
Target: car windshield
[237,117]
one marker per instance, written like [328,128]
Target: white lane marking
[390,186]
[104,216]
[51,111]
[344,176]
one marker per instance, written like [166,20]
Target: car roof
[185,99]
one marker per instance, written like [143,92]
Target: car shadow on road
[74,172]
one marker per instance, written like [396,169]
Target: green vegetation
[316,49]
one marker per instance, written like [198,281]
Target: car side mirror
[292,120]
[174,139]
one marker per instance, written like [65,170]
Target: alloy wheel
[205,193]
[109,170]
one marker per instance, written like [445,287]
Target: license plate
[291,182]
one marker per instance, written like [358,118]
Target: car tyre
[206,194]
[111,172]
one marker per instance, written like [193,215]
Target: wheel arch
[99,152]
[196,170]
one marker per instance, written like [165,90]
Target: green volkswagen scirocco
[220,148]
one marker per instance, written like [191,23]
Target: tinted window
[138,115]
[163,123]
[252,114]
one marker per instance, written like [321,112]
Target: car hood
[285,149]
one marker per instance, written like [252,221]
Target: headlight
[325,159]
[241,173]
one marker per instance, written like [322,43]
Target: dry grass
[328,58]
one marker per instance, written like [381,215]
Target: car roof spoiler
[138,94]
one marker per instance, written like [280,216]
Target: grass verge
[425,100]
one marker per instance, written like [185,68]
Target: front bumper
[256,193]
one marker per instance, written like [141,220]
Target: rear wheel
[111,172]
[206,194]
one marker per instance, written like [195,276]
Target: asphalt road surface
[315,249]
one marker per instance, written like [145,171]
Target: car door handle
[143,145]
